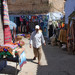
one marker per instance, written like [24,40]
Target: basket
[19,38]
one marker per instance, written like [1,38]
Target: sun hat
[37,27]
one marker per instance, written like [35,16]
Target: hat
[37,27]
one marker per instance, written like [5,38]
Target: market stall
[10,51]
[26,23]
[13,52]
[71,34]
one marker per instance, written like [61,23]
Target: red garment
[27,27]
[26,23]
[21,19]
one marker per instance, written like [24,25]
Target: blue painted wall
[69,8]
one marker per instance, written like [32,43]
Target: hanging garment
[24,22]
[63,36]
[73,33]
[5,13]
[7,34]
[50,30]
[23,28]
[21,19]
[27,28]
[18,21]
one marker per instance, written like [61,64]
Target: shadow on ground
[31,60]
[9,70]
[59,62]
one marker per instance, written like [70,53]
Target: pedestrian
[50,30]
[37,39]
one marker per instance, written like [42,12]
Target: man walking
[37,39]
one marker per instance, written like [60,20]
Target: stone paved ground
[54,62]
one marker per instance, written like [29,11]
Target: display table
[3,64]
[13,52]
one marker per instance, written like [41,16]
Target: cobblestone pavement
[54,61]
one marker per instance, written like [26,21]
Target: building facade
[28,6]
[69,8]
[35,6]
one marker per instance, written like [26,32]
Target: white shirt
[37,39]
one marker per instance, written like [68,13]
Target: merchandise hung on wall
[26,23]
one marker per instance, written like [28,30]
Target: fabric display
[12,50]
[7,34]
[5,13]
[21,19]
[9,47]
[21,35]
[63,36]
[71,36]
[26,23]
[5,50]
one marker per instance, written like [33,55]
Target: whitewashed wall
[1,32]
[69,8]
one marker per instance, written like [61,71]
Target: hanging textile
[63,36]
[7,32]
[5,13]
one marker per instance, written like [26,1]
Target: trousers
[37,52]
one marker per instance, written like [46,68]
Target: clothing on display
[50,30]
[26,23]
[63,36]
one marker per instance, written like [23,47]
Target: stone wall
[28,6]
[57,5]
[35,6]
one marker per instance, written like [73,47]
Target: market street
[31,28]
[54,62]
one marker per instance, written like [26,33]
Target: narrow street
[54,62]
[22,21]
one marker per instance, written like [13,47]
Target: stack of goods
[19,37]
[27,35]
[7,49]
[11,50]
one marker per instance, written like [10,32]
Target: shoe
[34,58]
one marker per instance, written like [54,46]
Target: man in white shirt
[37,39]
